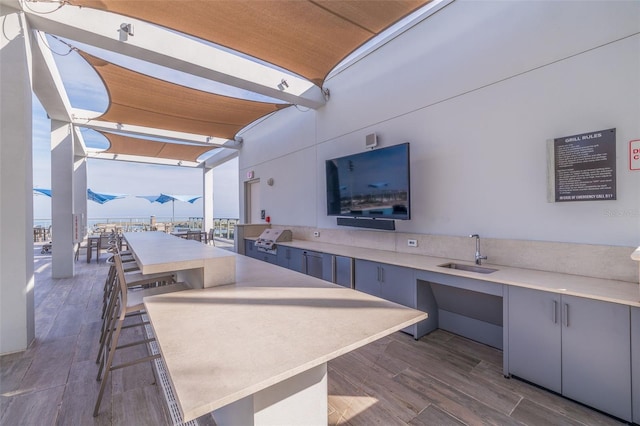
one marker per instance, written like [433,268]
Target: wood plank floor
[442,379]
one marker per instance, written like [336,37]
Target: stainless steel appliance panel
[338,269]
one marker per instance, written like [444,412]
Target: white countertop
[158,252]
[594,288]
[224,343]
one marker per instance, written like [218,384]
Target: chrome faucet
[479,257]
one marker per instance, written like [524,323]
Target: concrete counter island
[198,264]
[255,352]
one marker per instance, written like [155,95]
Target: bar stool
[111,287]
[126,303]
[129,266]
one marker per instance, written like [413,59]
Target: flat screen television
[371,184]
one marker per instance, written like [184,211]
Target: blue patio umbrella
[98,197]
[165,198]
[46,192]
[102,198]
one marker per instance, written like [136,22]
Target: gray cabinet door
[344,271]
[398,284]
[393,283]
[295,259]
[596,353]
[328,263]
[290,258]
[535,336]
[635,362]
[390,282]
[367,277]
[283,256]
[249,248]
[267,257]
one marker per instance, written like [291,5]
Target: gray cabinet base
[480,331]
[456,306]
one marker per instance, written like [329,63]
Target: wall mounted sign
[634,154]
[584,166]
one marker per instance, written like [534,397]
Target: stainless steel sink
[469,268]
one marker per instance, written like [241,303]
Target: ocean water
[142,223]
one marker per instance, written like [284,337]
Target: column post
[80,190]
[207,198]
[17,317]
[62,199]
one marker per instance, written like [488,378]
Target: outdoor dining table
[255,352]
[198,264]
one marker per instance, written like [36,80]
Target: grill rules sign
[585,166]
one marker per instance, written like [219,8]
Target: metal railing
[223,228]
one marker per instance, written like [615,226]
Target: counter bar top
[226,343]
[622,292]
[198,264]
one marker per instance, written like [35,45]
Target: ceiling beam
[156,45]
[219,157]
[79,148]
[47,82]
[81,118]
[140,159]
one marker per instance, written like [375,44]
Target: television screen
[373,184]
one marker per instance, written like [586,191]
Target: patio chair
[126,303]
[134,278]
[194,235]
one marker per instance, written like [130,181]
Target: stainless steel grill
[266,242]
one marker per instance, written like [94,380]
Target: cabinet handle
[333,270]
[555,311]
[381,274]
[566,314]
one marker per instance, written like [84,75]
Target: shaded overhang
[306,37]
[126,145]
[138,99]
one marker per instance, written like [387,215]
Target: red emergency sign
[634,154]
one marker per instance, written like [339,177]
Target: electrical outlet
[412,243]
[316,233]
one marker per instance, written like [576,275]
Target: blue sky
[86,91]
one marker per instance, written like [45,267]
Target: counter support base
[301,399]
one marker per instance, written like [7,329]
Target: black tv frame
[378,222]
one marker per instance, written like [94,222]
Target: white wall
[283,148]
[225,190]
[477,89]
